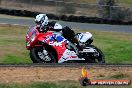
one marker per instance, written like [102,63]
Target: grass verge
[56,85]
[119,76]
[117,47]
[12,44]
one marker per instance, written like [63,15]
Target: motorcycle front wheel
[38,56]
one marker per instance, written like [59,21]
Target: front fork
[44,55]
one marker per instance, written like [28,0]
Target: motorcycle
[52,47]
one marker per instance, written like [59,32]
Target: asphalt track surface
[74,25]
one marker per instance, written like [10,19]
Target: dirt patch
[51,74]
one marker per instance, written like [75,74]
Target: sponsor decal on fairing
[69,55]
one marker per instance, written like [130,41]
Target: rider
[43,25]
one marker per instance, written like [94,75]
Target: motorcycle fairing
[30,37]
[57,42]
[57,26]
[69,55]
[83,37]
[29,33]
[88,50]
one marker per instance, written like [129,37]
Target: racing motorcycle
[52,47]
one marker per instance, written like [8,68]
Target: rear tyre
[97,57]
[37,55]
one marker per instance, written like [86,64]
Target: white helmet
[41,19]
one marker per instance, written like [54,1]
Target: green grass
[12,44]
[56,85]
[119,76]
[117,47]
[38,85]
[126,2]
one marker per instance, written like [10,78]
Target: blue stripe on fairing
[81,37]
[58,37]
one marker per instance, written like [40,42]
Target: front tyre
[40,55]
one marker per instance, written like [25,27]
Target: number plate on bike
[88,50]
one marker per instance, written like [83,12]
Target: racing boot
[78,44]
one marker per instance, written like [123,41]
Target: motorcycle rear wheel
[34,55]
[96,59]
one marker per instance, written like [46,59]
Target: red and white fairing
[56,41]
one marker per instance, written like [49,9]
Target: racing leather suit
[66,32]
